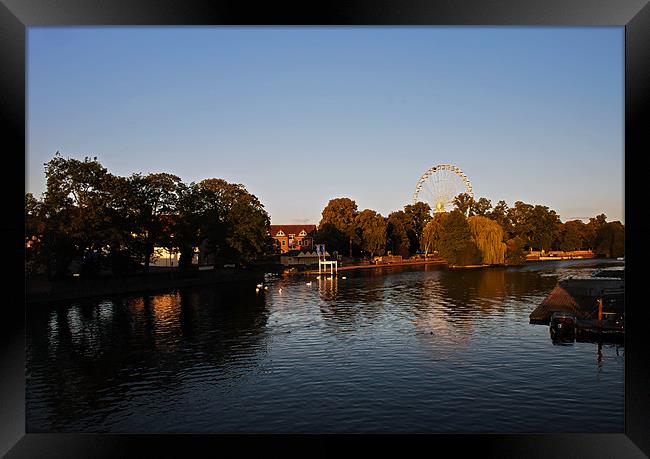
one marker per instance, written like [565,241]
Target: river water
[418,349]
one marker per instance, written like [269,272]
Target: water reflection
[415,349]
[94,356]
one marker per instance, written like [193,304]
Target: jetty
[378,265]
[597,303]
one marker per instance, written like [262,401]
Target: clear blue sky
[302,115]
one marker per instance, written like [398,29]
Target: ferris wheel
[439,186]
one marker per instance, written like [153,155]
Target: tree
[77,203]
[35,258]
[610,240]
[488,236]
[571,235]
[191,208]
[330,236]
[463,203]
[233,220]
[397,225]
[418,215]
[372,228]
[591,229]
[431,234]
[127,246]
[247,228]
[481,207]
[342,213]
[520,218]
[151,197]
[536,225]
[456,244]
[544,224]
[515,252]
[500,215]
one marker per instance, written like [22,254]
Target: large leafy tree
[372,232]
[499,214]
[152,199]
[77,204]
[247,225]
[481,207]
[397,225]
[127,245]
[329,235]
[544,224]
[571,235]
[35,257]
[592,228]
[419,215]
[456,244]
[234,221]
[341,213]
[431,234]
[521,225]
[188,227]
[463,203]
[488,236]
[610,239]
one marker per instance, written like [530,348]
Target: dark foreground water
[417,350]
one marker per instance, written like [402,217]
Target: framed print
[368,219]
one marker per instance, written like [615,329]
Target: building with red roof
[292,237]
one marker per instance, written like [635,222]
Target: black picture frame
[17,15]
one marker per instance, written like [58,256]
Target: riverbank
[39,290]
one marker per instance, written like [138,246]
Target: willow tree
[488,236]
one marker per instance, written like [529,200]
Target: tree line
[474,232]
[108,221]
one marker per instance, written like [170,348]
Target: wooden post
[600,309]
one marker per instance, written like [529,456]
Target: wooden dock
[580,298]
[594,327]
[378,265]
[560,300]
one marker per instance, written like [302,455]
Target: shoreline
[440,262]
[43,290]
[40,290]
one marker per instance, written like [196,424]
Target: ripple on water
[408,350]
